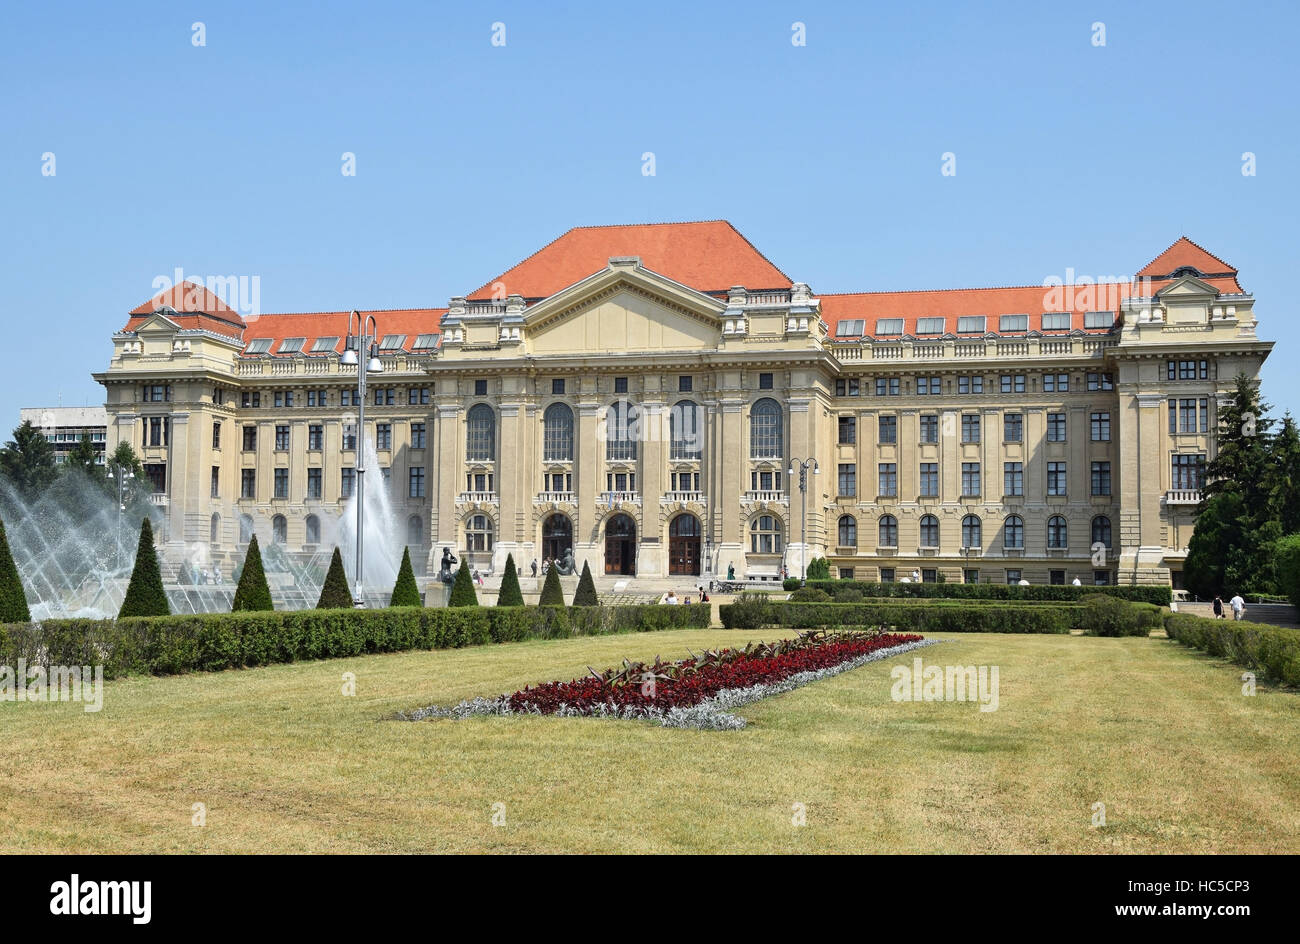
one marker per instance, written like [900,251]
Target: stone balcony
[1183,496]
[619,498]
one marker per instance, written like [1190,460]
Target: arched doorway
[620,546]
[557,537]
[684,545]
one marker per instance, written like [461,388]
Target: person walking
[1218,607]
[534,566]
[1238,606]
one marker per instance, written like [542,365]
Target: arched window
[684,526]
[279,529]
[765,535]
[481,433]
[313,530]
[214,529]
[848,531]
[766,428]
[1013,531]
[557,433]
[478,533]
[414,531]
[971,532]
[888,531]
[929,531]
[685,430]
[1101,531]
[621,422]
[1056,532]
[245,529]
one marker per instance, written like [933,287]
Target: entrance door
[557,537]
[684,546]
[620,546]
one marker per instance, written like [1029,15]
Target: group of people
[672,598]
[1236,604]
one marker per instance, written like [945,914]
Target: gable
[624,317]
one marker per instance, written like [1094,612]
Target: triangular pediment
[624,308]
[1189,286]
[158,323]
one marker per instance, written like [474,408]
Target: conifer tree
[462,591]
[585,595]
[13,602]
[405,592]
[252,592]
[510,594]
[144,594]
[552,592]
[334,592]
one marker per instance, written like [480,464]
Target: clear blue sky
[225,159]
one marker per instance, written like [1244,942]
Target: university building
[663,401]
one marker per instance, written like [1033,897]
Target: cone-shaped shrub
[252,592]
[144,594]
[13,602]
[510,594]
[462,591]
[405,591]
[552,592]
[334,593]
[585,595]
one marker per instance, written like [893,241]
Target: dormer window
[291,345]
[1099,319]
[929,326]
[258,346]
[1187,270]
[392,342]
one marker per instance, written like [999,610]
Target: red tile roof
[187,297]
[708,256]
[411,322]
[1182,253]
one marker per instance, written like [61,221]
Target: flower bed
[694,692]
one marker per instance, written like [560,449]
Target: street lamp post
[122,476]
[803,466]
[366,363]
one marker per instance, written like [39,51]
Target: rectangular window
[1188,472]
[315,437]
[480,387]
[281,483]
[216,481]
[1013,577]
[929,326]
[929,480]
[1013,478]
[1101,381]
[1056,578]
[1100,427]
[1205,415]
[417,436]
[848,429]
[930,428]
[282,439]
[888,472]
[420,395]
[383,435]
[1013,324]
[1101,478]
[391,343]
[1056,478]
[216,435]
[971,324]
[1098,319]
[348,484]
[889,327]
[886,386]
[1056,427]
[247,483]
[841,388]
[764,382]
[425,342]
[929,575]
[849,328]
[1101,578]
[1056,383]
[324,345]
[258,346]
[416,481]
[349,397]
[1187,416]
[314,483]
[970,479]
[967,385]
[1173,415]
[1056,321]
[889,429]
[250,438]
[349,436]
[848,480]
[1013,427]
[970,575]
[685,384]
[886,575]
[928,386]
[970,427]
[1013,383]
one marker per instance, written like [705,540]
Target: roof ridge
[364,311]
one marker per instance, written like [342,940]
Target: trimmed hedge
[1272,650]
[168,645]
[1160,596]
[913,617]
[1105,615]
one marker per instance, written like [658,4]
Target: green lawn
[284,763]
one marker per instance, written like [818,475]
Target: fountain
[72,563]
